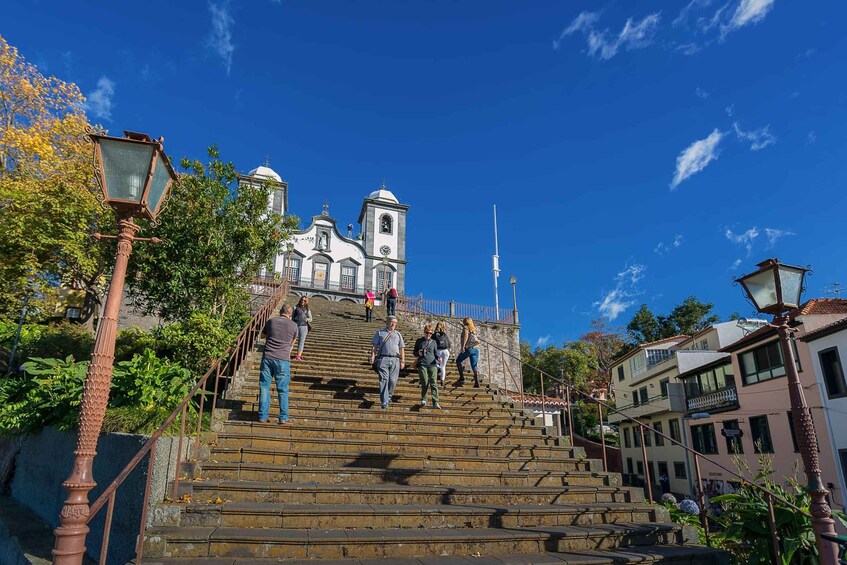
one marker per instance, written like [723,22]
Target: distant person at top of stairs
[369,305]
[469,351]
[425,356]
[303,318]
[442,343]
[390,356]
[280,334]
[391,301]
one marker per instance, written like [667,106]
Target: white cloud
[662,248]
[689,48]
[748,12]
[758,138]
[623,295]
[685,13]
[696,157]
[730,110]
[702,94]
[542,341]
[634,35]
[775,235]
[99,101]
[220,39]
[811,138]
[736,264]
[745,239]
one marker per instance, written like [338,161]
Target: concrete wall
[45,461]
[499,342]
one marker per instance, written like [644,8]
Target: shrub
[133,341]
[54,341]
[194,343]
[149,382]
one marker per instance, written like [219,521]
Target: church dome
[383,194]
[265,172]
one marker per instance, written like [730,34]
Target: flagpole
[496,262]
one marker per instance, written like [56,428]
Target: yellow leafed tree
[48,207]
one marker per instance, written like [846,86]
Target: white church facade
[325,263]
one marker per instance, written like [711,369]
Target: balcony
[716,401]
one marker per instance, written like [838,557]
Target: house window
[703,438]
[73,313]
[791,429]
[842,455]
[643,393]
[386,223]
[629,468]
[320,276]
[761,434]
[647,441]
[383,277]
[620,373]
[636,437]
[733,437]
[674,429]
[635,398]
[639,466]
[712,380]
[679,470]
[294,270]
[657,431]
[626,442]
[348,278]
[765,363]
[833,373]
[663,468]
[663,387]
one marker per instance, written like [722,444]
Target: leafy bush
[133,341]
[48,394]
[746,532]
[148,382]
[53,341]
[194,343]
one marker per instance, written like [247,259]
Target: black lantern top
[134,173]
[774,287]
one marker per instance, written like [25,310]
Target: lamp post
[135,175]
[775,288]
[514,280]
[289,247]
[385,277]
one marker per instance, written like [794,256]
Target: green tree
[575,360]
[644,326]
[216,236]
[686,318]
[606,343]
[48,208]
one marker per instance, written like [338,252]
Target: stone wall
[45,461]
[499,350]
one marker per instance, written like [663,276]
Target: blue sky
[636,152]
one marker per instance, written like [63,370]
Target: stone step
[230,440]
[394,543]
[287,473]
[347,516]
[388,493]
[371,421]
[385,460]
[259,433]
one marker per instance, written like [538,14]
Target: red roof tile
[819,306]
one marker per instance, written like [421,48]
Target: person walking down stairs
[280,334]
[303,318]
[391,301]
[388,352]
[442,343]
[425,358]
[369,305]
[469,351]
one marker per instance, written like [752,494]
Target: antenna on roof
[833,290]
[267,160]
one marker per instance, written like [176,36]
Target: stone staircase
[347,482]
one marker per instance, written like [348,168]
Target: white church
[324,263]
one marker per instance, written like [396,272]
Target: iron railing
[718,399]
[222,370]
[451,309]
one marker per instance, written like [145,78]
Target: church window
[383,277]
[385,224]
[348,278]
[294,270]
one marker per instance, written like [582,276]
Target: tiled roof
[535,400]
[826,330]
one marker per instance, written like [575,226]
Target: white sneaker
[423,403]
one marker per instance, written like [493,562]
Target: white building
[325,263]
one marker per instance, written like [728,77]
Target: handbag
[375,364]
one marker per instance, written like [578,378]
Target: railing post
[452,308]
[602,437]
[646,466]
[570,413]
[701,497]
[543,404]
[488,360]
[772,523]
[139,543]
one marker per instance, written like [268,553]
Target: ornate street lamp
[135,175]
[514,280]
[775,289]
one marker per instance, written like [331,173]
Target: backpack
[392,293]
[442,341]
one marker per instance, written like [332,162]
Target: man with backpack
[391,300]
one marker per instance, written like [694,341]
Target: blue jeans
[472,354]
[391,306]
[389,371]
[280,371]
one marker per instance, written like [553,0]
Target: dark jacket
[425,350]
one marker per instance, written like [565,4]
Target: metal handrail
[224,367]
[642,425]
[453,309]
